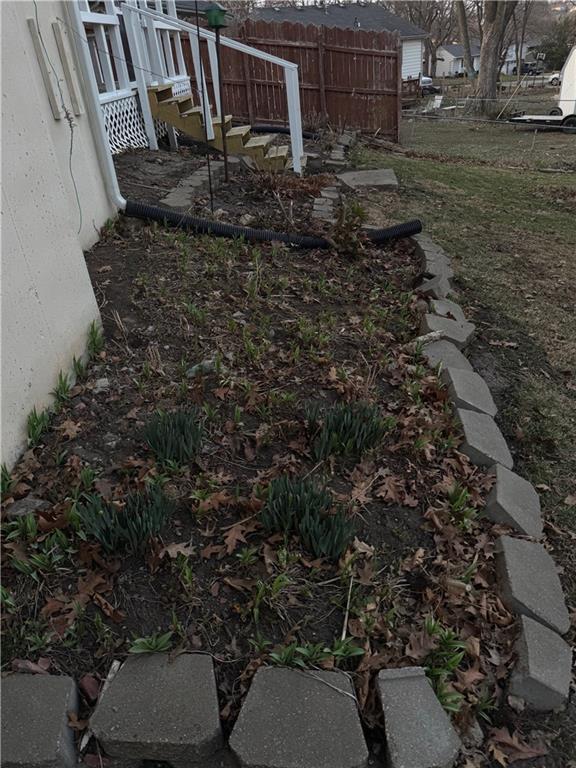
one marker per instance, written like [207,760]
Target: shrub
[298,506]
[347,429]
[130,529]
[175,438]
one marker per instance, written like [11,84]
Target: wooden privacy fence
[348,78]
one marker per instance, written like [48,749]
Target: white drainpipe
[94,110]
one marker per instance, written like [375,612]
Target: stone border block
[459,334]
[447,308]
[299,719]
[484,443]
[530,584]
[35,730]
[513,501]
[445,354]
[435,288]
[468,390]
[160,709]
[543,672]
[419,733]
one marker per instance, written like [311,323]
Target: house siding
[47,298]
[412,52]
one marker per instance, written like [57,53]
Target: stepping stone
[459,334]
[419,733]
[484,444]
[383,178]
[468,390]
[530,584]
[35,731]
[447,308]
[514,502]
[160,709]
[435,288]
[299,719]
[329,194]
[543,670]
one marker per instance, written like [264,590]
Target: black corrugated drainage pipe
[217,228]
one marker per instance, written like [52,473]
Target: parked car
[555,78]
[529,69]
[428,87]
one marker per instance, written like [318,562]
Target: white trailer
[564,115]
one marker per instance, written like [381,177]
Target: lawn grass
[511,235]
[500,144]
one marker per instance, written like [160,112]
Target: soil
[274,330]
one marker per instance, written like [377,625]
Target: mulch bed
[275,329]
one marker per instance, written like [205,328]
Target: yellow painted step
[276,157]
[257,145]
[237,137]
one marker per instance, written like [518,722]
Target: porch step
[179,112]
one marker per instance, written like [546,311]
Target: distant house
[450,59]
[367,16]
[528,55]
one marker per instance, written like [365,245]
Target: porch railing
[134,46]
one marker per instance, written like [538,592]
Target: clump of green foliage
[298,506]
[128,529]
[36,425]
[306,655]
[155,643]
[346,429]
[442,663]
[175,438]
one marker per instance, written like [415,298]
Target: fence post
[135,34]
[322,73]
[247,78]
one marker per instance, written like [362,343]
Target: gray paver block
[529,582]
[543,670]
[35,732]
[158,709]
[484,444]
[445,354]
[459,334]
[297,719]
[514,501]
[419,733]
[447,308]
[468,390]
[435,288]
[383,178]
[330,194]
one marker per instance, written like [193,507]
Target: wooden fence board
[348,78]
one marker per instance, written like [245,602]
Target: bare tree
[465,38]
[496,15]
[434,16]
[520,18]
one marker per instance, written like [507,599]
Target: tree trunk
[497,14]
[465,37]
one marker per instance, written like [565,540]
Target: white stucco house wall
[450,59]
[46,294]
[367,16]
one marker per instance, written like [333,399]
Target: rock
[206,366]
[419,733]
[459,334]
[329,194]
[434,260]
[382,178]
[514,502]
[445,354]
[474,737]
[484,444]
[435,288]
[35,731]
[447,308]
[246,219]
[467,389]
[299,719]
[529,582]
[157,708]
[28,505]
[543,671]
[100,385]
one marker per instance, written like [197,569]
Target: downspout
[95,115]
